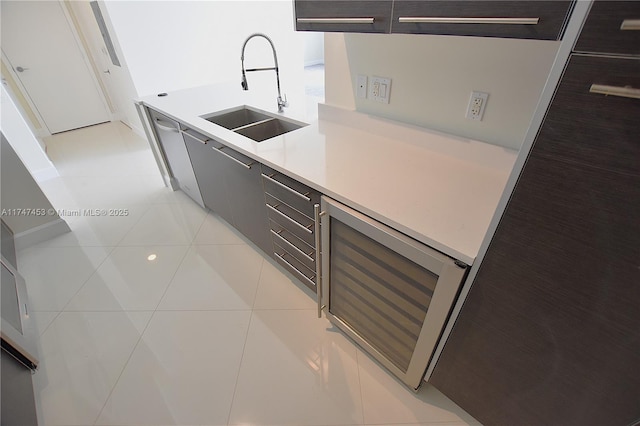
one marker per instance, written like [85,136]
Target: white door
[42,49]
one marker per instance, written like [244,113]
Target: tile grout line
[244,346]
[235,386]
[134,225]
[124,366]
[255,293]
[89,277]
[360,384]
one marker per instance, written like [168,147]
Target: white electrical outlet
[477,103]
[361,86]
[379,89]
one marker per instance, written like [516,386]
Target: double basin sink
[255,125]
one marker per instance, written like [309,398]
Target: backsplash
[433,77]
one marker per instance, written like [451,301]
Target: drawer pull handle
[281,257]
[335,20]
[306,256]
[202,141]
[317,215]
[282,185]
[306,229]
[623,92]
[166,126]
[220,150]
[630,24]
[464,20]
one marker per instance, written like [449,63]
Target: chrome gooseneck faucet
[245,85]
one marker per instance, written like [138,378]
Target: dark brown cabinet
[343,16]
[612,27]
[544,20]
[549,333]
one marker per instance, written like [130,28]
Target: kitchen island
[439,189]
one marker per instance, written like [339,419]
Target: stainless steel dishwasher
[385,290]
[169,135]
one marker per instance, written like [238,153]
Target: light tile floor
[167,316]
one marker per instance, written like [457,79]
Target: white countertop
[440,189]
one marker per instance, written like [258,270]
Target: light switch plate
[379,89]
[361,86]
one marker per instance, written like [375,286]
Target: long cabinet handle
[623,92]
[630,24]
[202,141]
[282,185]
[306,256]
[466,20]
[166,126]
[281,257]
[301,226]
[335,20]
[220,150]
[317,214]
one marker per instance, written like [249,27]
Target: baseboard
[45,174]
[313,62]
[40,233]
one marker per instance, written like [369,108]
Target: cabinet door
[8,245]
[208,167]
[18,401]
[543,20]
[586,126]
[175,153]
[246,197]
[550,331]
[343,16]
[611,27]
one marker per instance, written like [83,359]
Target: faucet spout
[245,85]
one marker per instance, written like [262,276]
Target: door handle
[107,72]
[21,69]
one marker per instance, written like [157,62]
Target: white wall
[313,48]
[433,77]
[170,45]
[25,144]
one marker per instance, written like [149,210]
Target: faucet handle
[282,103]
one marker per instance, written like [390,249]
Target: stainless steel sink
[237,118]
[253,124]
[268,129]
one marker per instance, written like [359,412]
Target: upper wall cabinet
[611,27]
[543,20]
[343,16]
[528,19]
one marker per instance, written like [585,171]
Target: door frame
[86,57]
[40,128]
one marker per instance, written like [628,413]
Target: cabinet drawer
[543,20]
[290,191]
[295,222]
[592,128]
[293,265]
[343,16]
[611,27]
[305,253]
